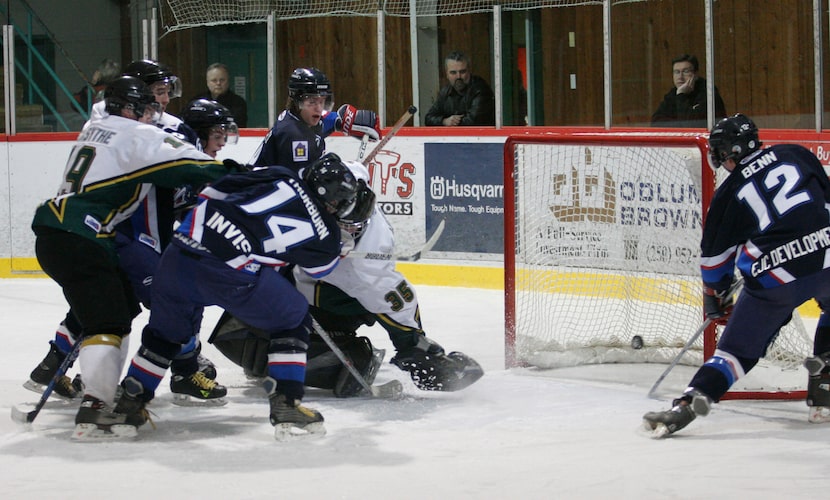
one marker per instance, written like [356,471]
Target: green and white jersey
[113,164]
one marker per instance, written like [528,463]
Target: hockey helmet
[128,92]
[151,72]
[732,138]
[310,82]
[204,115]
[333,184]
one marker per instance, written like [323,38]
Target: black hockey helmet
[732,138]
[204,115]
[358,220]
[128,92]
[151,72]
[333,184]
[310,82]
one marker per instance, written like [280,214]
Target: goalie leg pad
[325,371]
[366,359]
[244,345]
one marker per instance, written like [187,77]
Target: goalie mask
[128,92]
[306,84]
[333,184]
[732,138]
[357,221]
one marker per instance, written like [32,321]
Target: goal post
[602,256]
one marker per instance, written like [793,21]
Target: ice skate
[42,374]
[818,395]
[197,390]
[684,410]
[292,421]
[663,423]
[95,421]
[819,415]
[206,366]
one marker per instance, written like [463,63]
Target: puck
[636,342]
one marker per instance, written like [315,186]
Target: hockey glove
[358,122]
[717,305]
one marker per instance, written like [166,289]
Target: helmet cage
[358,219]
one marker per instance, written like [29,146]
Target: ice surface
[567,433]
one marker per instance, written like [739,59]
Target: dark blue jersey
[771,218]
[291,143]
[265,217]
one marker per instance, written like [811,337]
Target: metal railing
[34,59]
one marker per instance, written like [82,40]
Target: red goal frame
[634,138]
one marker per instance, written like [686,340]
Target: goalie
[358,292]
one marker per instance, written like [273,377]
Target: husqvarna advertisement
[464,187]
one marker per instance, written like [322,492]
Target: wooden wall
[763,57]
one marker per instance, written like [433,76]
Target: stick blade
[22,417]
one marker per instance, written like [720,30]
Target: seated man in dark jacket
[466,100]
[685,104]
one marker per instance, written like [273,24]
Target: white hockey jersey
[367,280]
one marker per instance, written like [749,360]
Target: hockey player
[213,124]
[115,160]
[360,291]
[141,238]
[298,137]
[771,219]
[223,254]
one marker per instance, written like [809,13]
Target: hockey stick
[400,123]
[427,246]
[390,390]
[361,152]
[731,294]
[22,417]
[679,356]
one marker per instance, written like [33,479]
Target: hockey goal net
[602,255]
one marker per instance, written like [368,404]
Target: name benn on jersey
[228,229]
[759,164]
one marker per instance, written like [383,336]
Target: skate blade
[91,433]
[187,400]
[39,388]
[655,430]
[390,390]
[291,432]
[819,415]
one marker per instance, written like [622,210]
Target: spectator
[466,100]
[685,104]
[218,84]
[106,72]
